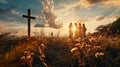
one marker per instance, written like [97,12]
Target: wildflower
[28,57]
[32,53]
[41,53]
[69,40]
[77,40]
[82,46]
[26,52]
[78,44]
[74,49]
[98,47]
[23,57]
[99,54]
[92,39]
[43,46]
[88,46]
[27,40]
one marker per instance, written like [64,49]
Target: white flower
[23,57]
[77,40]
[26,52]
[92,39]
[78,44]
[88,46]
[43,46]
[74,49]
[99,54]
[28,57]
[32,53]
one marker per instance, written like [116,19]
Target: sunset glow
[59,33]
[57,14]
[73,29]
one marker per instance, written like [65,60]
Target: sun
[73,28]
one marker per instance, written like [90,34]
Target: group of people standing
[79,31]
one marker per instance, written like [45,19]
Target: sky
[55,15]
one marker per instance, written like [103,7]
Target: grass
[58,52]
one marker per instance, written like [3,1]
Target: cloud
[94,1]
[100,17]
[8,10]
[9,14]
[89,3]
[48,11]
[13,28]
[113,2]
[112,17]
[104,19]
[5,1]
[18,31]
[39,25]
[60,4]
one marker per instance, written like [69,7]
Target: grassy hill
[61,52]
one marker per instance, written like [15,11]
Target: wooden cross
[29,17]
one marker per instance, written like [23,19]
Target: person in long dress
[76,30]
[84,29]
[80,31]
[70,31]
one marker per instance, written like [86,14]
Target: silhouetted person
[70,31]
[52,34]
[84,29]
[80,30]
[76,30]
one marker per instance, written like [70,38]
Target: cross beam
[28,17]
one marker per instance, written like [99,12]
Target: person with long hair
[84,29]
[70,31]
[76,30]
[80,30]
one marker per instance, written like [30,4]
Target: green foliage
[110,29]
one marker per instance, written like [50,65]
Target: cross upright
[28,17]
